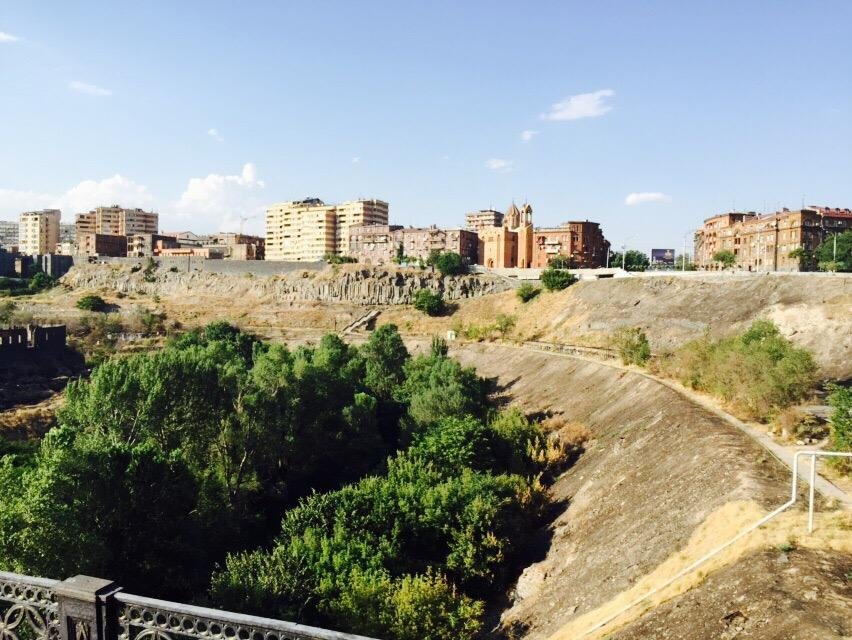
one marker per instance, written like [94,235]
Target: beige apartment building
[483,219]
[38,232]
[117,221]
[308,230]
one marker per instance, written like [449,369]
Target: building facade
[9,235]
[483,219]
[101,244]
[382,244]
[143,245]
[117,221]
[765,242]
[238,246]
[38,232]
[308,230]
[581,242]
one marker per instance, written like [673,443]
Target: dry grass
[832,532]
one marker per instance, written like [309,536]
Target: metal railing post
[86,608]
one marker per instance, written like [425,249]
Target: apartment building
[380,244]
[581,242]
[101,244]
[308,230]
[765,242]
[38,232]
[9,234]
[117,221]
[483,219]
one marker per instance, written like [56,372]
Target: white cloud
[582,105]
[13,203]
[528,135]
[80,198]
[222,199]
[8,37]
[500,165]
[214,133]
[94,193]
[90,89]
[646,196]
[356,159]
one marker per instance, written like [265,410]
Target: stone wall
[352,285]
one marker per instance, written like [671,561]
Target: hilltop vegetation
[358,488]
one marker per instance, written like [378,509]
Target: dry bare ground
[658,470]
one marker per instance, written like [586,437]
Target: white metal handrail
[793,496]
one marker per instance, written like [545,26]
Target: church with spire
[510,245]
[517,244]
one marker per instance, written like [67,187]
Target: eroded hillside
[657,469]
[814,310]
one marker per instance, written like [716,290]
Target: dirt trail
[657,469]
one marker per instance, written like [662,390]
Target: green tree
[448,263]
[429,302]
[805,258]
[633,260]
[557,279]
[527,292]
[835,253]
[559,262]
[384,356]
[726,258]
[437,387]
[504,323]
[40,281]
[90,504]
[91,302]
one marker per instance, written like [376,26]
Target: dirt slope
[657,468]
[814,310]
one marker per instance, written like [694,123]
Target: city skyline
[647,120]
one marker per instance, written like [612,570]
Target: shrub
[840,400]
[758,372]
[794,424]
[504,323]
[632,345]
[527,292]
[91,302]
[175,270]
[39,282]
[333,258]
[557,279]
[7,309]
[429,302]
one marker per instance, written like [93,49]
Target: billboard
[662,256]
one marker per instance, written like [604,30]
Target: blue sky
[206,111]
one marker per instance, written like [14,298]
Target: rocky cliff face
[345,285]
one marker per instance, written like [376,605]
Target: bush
[527,292]
[429,302]
[7,310]
[91,302]
[632,345]
[840,400]
[559,262]
[557,279]
[39,282]
[758,372]
[333,258]
[504,323]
